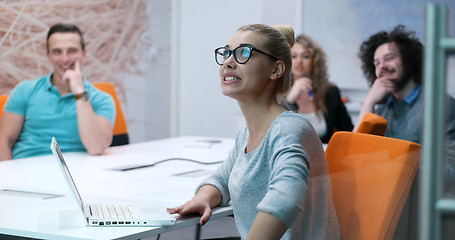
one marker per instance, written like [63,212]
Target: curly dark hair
[410,47]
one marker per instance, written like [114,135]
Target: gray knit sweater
[286,176]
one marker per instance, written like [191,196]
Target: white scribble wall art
[115,33]
[128,43]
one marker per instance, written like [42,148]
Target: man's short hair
[64,28]
[410,47]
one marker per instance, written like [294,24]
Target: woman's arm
[202,203]
[266,226]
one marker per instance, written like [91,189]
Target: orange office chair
[372,124]
[371,177]
[3,99]
[120,131]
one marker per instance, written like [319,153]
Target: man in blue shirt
[62,104]
[392,64]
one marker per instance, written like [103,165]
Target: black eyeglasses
[242,54]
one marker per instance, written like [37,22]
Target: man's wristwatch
[83,95]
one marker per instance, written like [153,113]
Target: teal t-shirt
[47,114]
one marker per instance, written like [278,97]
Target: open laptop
[113,214]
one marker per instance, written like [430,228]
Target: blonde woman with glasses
[276,177]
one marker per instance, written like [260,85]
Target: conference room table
[35,201]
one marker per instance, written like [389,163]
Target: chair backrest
[120,131]
[372,124]
[371,177]
[3,99]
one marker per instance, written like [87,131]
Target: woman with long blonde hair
[312,94]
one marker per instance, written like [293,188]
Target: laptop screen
[69,180]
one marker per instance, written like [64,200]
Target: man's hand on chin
[73,77]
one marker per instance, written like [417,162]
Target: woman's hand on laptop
[202,203]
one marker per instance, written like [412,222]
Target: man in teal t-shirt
[62,104]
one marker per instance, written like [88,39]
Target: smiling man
[62,104]
[392,63]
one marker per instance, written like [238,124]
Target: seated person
[392,63]
[62,104]
[274,192]
[317,99]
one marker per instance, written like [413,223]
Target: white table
[59,217]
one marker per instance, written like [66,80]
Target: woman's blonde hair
[319,75]
[278,41]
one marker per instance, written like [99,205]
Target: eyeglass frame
[231,53]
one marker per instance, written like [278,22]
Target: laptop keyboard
[112,211]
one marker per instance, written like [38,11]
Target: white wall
[204,25]
[147,107]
